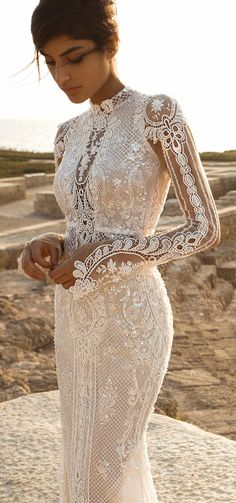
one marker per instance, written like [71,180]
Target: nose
[61,74]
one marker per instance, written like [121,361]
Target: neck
[112,86]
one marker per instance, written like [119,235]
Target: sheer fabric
[113,334]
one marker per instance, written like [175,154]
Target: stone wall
[219,185]
[11,192]
[38,179]
[45,203]
[228,223]
[12,189]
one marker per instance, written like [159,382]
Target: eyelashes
[77,60]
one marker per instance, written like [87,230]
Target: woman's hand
[36,252]
[63,273]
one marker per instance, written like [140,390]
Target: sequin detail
[114,331]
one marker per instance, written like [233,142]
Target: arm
[166,129]
[59,142]
[53,238]
[49,240]
[59,148]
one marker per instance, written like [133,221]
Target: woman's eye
[77,60]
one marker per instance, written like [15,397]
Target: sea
[35,135]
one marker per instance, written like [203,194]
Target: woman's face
[69,69]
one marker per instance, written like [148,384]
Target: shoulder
[62,129]
[158,107]
[159,116]
[154,108]
[60,138]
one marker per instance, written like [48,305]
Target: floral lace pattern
[113,334]
[163,120]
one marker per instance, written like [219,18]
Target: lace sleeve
[169,134]
[59,142]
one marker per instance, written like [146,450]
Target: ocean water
[36,135]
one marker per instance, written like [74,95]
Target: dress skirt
[112,351]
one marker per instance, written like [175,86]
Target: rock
[227,271]
[7,308]
[13,392]
[27,360]
[223,293]
[29,333]
[188,464]
[167,407]
[192,377]
[11,354]
[40,381]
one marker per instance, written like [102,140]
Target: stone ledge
[227,271]
[30,180]
[46,204]
[227,218]
[34,179]
[11,192]
[188,464]
[37,179]
[14,180]
[220,184]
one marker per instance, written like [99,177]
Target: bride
[113,319]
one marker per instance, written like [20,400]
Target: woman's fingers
[61,270]
[69,283]
[62,279]
[29,267]
[54,256]
[36,254]
[62,273]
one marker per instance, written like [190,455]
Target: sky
[183,48]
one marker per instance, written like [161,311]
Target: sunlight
[171,48]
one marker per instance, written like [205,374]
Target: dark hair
[88,19]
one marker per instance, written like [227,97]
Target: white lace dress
[113,335]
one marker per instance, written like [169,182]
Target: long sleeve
[59,142]
[164,126]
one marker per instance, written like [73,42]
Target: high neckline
[109,104]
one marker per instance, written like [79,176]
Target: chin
[75,99]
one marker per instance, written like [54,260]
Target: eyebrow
[68,51]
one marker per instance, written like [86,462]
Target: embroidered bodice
[114,165]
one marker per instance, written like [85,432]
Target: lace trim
[60,139]
[193,236]
[108,105]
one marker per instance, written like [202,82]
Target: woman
[113,318]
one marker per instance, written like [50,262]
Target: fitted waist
[73,240]
[75,237]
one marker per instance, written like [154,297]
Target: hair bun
[89,19]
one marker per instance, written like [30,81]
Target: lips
[69,89]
